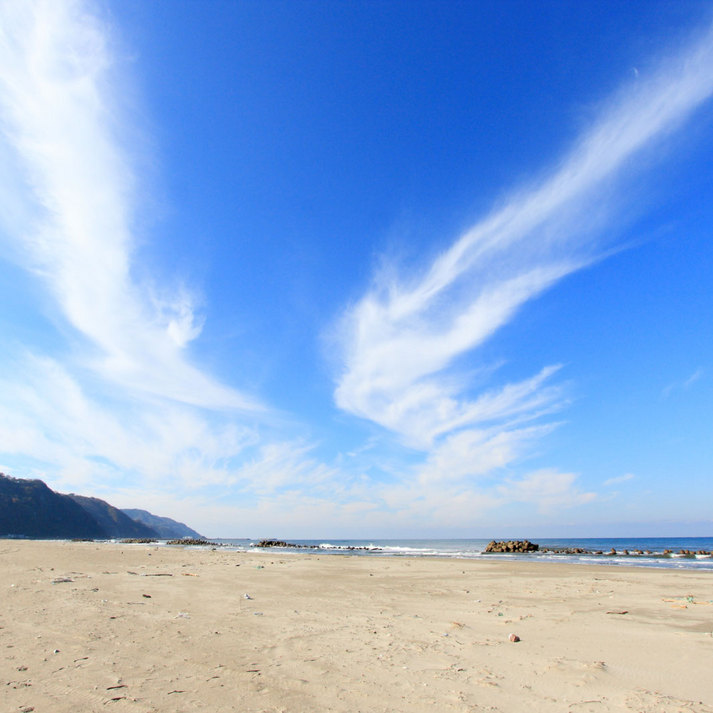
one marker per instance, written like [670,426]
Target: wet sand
[108,627]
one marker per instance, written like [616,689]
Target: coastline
[668,552]
[106,626]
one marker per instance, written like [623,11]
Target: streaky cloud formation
[400,341]
[60,119]
[53,418]
[286,465]
[125,405]
[619,479]
[548,489]
[101,387]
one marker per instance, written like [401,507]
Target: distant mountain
[165,527]
[28,508]
[113,521]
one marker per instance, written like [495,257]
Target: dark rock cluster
[138,541]
[280,543]
[511,546]
[623,553]
[358,547]
[192,541]
[292,545]
[569,551]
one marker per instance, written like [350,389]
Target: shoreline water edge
[693,553]
[667,553]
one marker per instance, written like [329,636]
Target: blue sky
[361,269]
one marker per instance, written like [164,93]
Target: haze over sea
[474,548]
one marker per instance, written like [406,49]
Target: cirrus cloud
[401,341]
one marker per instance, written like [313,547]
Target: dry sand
[334,633]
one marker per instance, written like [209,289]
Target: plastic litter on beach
[679,601]
[683,602]
[247,596]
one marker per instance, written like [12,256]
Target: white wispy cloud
[619,479]
[693,378]
[284,465]
[683,385]
[141,453]
[62,128]
[112,399]
[135,417]
[400,342]
[471,452]
[127,405]
[547,489]
[47,414]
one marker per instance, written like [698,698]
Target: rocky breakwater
[281,543]
[194,542]
[341,548]
[511,546]
[626,553]
[570,551]
[138,541]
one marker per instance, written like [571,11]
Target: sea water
[475,549]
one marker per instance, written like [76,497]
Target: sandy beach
[109,627]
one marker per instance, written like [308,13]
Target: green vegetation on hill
[165,527]
[113,521]
[28,508]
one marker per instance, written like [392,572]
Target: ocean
[655,547]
